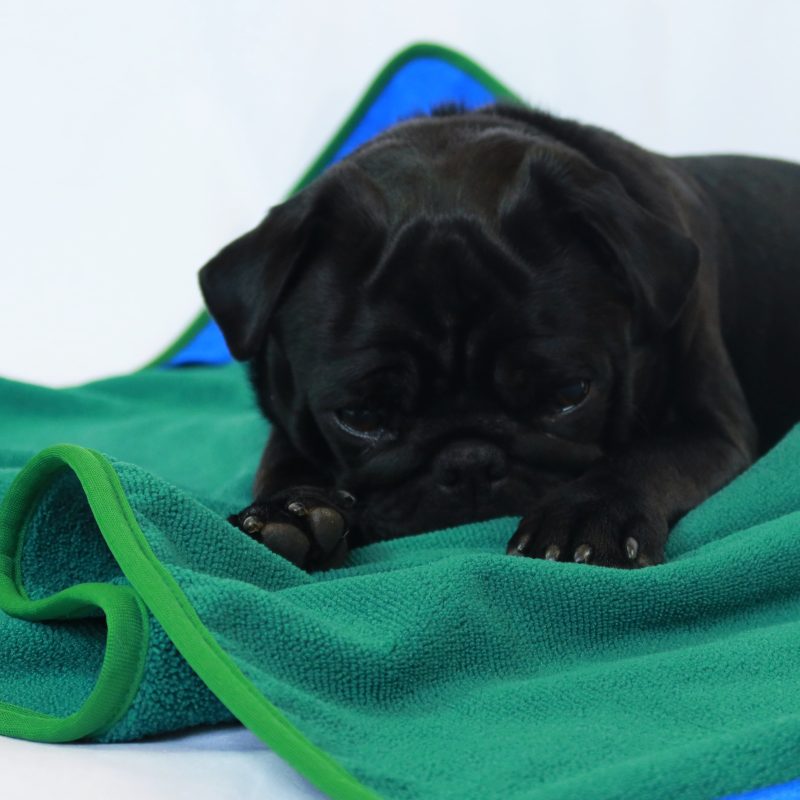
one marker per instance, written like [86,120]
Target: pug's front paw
[307,525]
[600,524]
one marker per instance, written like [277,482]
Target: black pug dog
[502,312]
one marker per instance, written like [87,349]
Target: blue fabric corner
[207,347]
[785,791]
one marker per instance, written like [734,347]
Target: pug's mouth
[415,506]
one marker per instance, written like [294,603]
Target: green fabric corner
[125,612]
[126,618]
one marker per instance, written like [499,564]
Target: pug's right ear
[242,285]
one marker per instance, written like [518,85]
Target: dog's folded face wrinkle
[466,312]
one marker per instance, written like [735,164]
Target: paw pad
[306,525]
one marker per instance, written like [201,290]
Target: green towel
[431,666]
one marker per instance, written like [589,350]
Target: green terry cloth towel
[431,666]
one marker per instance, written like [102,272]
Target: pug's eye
[366,422]
[568,397]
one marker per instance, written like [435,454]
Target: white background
[138,138]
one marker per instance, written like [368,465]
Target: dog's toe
[592,525]
[327,526]
[287,541]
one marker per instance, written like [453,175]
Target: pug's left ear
[658,263]
[655,264]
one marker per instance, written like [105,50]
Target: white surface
[216,764]
[139,138]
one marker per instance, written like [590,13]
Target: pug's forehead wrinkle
[470,160]
[431,254]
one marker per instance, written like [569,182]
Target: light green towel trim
[126,616]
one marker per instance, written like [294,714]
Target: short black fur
[492,312]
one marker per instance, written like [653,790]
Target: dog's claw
[297,508]
[583,553]
[252,524]
[631,547]
[348,500]
[552,553]
[518,548]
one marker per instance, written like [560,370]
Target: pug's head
[460,314]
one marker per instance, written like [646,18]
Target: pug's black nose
[469,464]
